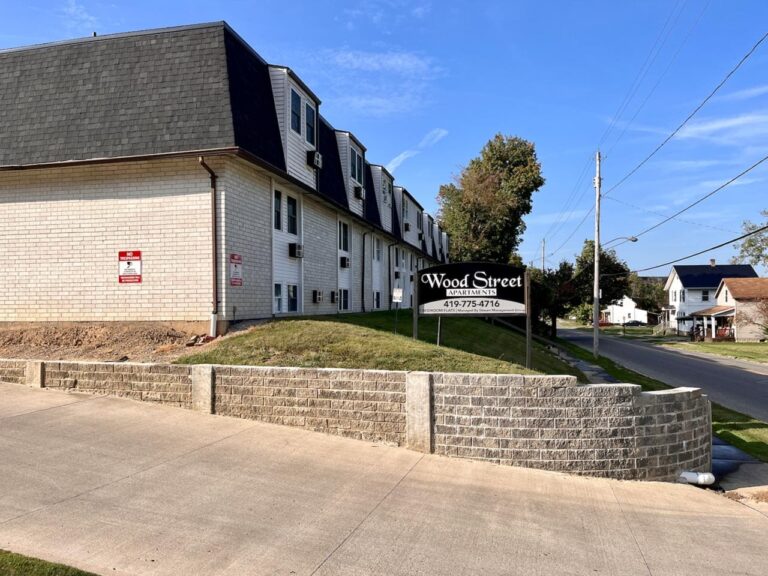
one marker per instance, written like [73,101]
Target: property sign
[473,289]
[235,270]
[129,267]
[397,295]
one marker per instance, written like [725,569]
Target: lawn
[755,351]
[368,341]
[17,565]
[738,429]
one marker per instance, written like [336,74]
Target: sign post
[397,298]
[473,289]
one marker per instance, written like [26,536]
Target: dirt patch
[118,341]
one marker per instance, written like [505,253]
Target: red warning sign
[235,270]
[129,267]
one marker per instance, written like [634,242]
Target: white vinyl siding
[344,142]
[286,270]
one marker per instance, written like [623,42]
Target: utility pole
[543,246]
[596,284]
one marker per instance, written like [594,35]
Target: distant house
[738,312]
[624,310]
[692,289]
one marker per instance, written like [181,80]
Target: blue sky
[424,84]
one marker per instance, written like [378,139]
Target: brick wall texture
[612,430]
[12,371]
[362,404]
[545,422]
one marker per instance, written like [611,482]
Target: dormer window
[356,165]
[295,111]
[387,191]
[310,121]
[419,220]
[405,209]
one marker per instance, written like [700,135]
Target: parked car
[634,323]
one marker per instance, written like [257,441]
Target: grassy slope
[738,429]
[755,351]
[16,565]
[368,341]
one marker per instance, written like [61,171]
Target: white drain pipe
[698,478]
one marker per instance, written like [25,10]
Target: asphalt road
[739,385]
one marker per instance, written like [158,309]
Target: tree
[483,211]
[614,275]
[552,293]
[753,249]
[648,293]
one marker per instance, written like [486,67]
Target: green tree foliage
[754,249]
[553,292]
[483,212]
[648,293]
[614,275]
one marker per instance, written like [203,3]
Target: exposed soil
[114,341]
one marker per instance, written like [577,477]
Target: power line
[691,222]
[658,81]
[764,228]
[579,225]
[691,115]
[700,200]
[558,223]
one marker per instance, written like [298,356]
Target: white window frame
[356,165]
[288,200]
[377,249]
[277,293]
[343,236]
[343,298]
[292,304]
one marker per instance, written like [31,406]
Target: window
[405,209]
[293,298]
[377,299]
[293,215]
[356,165]
[674,296]
[278,298]
[343,299]
[278,210]
[705,295]
[295,111]
[377,249]
[411,261]
[419,220]
[682,295]
[387,191]
[344,236]
[310,120]
[397,257]
[726,295]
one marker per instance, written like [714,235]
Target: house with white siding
[691,288]
[623,311]
[173,174]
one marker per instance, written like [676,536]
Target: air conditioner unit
[397,274]
[407,227]
[333,296]
[344,262]
[314,159]
[317,296]
[296,250]
[359,192]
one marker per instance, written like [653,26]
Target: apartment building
[173,174]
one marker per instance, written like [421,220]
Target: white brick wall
[62,230]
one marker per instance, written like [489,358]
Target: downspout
[389,271]
[362,281]
[213,330]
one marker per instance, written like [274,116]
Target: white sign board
[397,295]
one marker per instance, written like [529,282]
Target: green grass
[755,351]
[740,430]
[17,565]
[368,341]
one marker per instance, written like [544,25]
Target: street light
[596,299]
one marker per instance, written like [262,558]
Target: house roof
[372,213]
[706,276]
[714,311]
[745,288]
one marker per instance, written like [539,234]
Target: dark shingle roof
[372,213]
[331,181]
[126,95]
[705,276]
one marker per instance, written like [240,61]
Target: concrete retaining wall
[545,422]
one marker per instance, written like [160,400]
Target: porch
[713,324]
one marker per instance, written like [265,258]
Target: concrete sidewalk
[119,487]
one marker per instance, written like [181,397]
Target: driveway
[119,487]
[742,386]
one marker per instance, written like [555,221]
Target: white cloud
[433,137]
[394,164]
[746,94]
[77,18]
[553,217]
[430,139]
